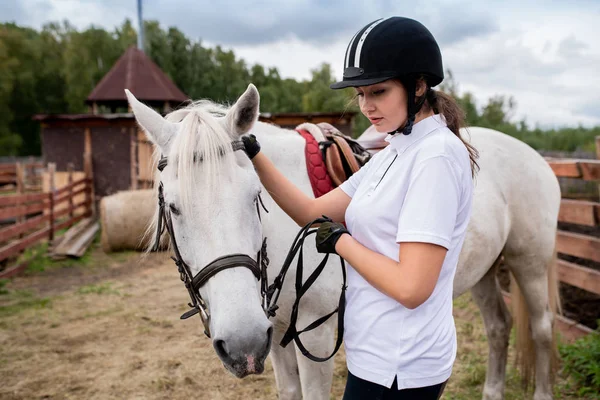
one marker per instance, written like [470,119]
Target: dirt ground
[112,331]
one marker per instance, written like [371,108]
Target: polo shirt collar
[400,142]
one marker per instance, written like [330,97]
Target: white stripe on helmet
[362,40]
[348,50]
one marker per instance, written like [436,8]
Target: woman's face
[384,104]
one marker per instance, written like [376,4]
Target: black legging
[359,389]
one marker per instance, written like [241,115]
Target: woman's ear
[421,87]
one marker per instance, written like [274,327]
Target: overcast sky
[546,54]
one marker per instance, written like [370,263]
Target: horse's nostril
[269,338]
[221,349]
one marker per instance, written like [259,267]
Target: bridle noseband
[193,283]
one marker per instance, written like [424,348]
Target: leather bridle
[193,283]
[269,293]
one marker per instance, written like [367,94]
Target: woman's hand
[251,146]
[328,234]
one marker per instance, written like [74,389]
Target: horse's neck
[285,148]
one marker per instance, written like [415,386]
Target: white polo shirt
[418,189]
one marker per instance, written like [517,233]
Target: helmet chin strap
[410,84]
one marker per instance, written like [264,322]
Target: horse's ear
[244,113]
[159,130]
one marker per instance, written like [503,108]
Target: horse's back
[520,174]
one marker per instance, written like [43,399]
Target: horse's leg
[316,377]
[285,366]
[531,271]
[498,323]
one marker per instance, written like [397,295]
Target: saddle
[342,155]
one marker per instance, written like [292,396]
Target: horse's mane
[201,138]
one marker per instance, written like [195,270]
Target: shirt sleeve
[431,205]
[351,184]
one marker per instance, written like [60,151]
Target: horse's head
[210,193]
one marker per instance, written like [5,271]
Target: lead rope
[274,291]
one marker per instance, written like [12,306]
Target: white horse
[212,201]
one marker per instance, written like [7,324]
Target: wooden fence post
[133,157]
[20,185]
[89,174]
[52,184]
[70,168]
[20,189]
[598,157]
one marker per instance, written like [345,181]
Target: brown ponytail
[443,104]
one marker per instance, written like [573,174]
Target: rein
[275,290]
[269,293]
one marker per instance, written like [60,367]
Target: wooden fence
[582,246]
[21,177]
[28,219]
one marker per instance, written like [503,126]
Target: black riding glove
[251,145]
[328,234]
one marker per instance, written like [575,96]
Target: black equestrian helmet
[389,48]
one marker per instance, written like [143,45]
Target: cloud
[238,23]
[543,54]
[242,22]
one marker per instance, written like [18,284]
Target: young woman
[406,213]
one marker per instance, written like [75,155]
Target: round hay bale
[124,219]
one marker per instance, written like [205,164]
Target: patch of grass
[25,304]
[3,289]
[39,261]
[581,362]
[101,288]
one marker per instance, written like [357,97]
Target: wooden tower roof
[135,71]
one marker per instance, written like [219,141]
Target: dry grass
[116,335]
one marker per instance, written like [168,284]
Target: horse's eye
[174,209]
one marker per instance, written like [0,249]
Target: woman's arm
[409,281]
[300,207]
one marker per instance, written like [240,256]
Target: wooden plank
[70,169]
[17,199]
[133,159]
[66,188]
[16,229]
[84,242]
[14,271]
[88,169]
[571,330]
[8,179]
[72,233]
[579,276]
[574,168]
[145,150]
[14,248]
[72,221]
[578,245]
[18,211]
[579,212]
[51,189]
[65,211]
[67,196]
